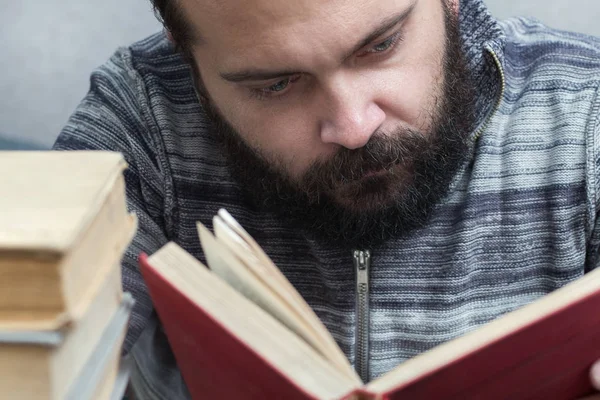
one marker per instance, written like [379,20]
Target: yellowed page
[267,293]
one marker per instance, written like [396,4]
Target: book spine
[361,394]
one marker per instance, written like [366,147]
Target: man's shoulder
[140,102]
[535,48]
[148,86]
[150,62]
[156,54]
[544,133]
[156,44]
[552,81]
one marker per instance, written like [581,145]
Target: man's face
[341,101]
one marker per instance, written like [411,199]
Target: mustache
[382,152]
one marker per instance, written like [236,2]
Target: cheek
[415,81]
[411,97]
[290,140]
[287,138]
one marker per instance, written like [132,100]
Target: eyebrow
[258,74]
[383,27]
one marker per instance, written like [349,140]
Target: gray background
[49,47]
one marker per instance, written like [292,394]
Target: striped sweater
[518,223]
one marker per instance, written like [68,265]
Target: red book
[232,342]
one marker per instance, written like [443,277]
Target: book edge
[91,374]
[122,379]
[57,251]
[65,318]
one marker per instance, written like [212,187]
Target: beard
[385,189]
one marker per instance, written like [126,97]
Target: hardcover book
[239,329]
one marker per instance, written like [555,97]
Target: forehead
[239,25]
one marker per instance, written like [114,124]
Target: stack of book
[64,227]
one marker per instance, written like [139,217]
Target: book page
[236,231]
[243,273]
[230,232]
[267,272]
[228,268]
[218,304]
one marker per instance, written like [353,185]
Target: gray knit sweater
[519,221]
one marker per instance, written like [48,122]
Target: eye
[279,88]
[384,46]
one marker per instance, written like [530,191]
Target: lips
[380,170]
[374,173]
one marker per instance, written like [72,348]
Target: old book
[97,380]
[44,364]
[240,330]
[63,217]
[119,389]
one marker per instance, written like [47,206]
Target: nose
[349,115]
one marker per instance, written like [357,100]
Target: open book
[241,330]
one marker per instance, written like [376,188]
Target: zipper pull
[362,264]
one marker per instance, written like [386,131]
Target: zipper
[362,264]
[484,126]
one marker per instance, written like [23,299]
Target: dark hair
[170,14]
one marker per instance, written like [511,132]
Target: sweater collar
[483,46]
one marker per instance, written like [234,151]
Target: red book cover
[213,362]
[547,359]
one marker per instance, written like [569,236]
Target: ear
[169,36]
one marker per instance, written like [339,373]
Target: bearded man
[454,157]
